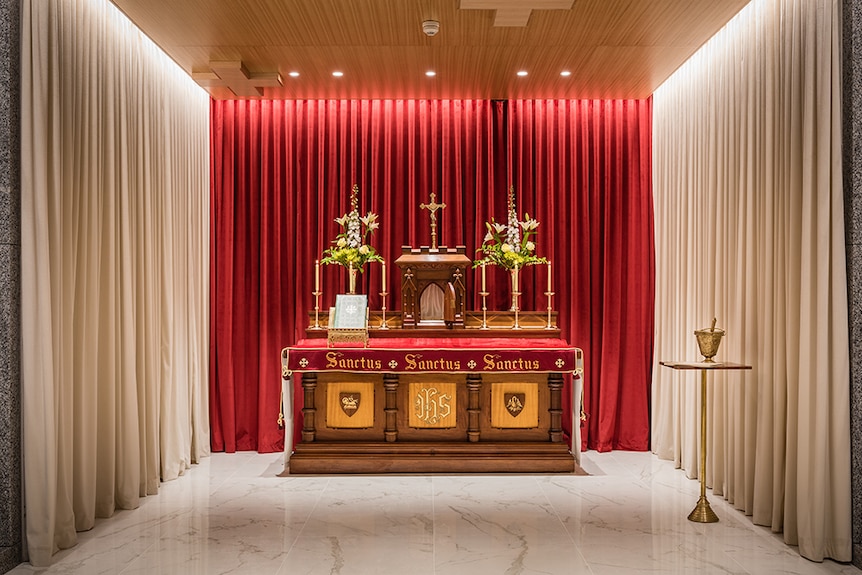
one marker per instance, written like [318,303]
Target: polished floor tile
[235,514]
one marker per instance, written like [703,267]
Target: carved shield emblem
[349,401]
[514,403]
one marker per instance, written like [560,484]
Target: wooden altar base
[431,457]
[435,405]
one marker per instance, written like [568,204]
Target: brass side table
[702,512]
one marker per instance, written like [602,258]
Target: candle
[549,276]
[483,276]
[383,273]
[515,280]
[316,275]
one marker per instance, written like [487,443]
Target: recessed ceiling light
[565,73]
[293,74]
[522,73]
[430,73]
[338,74]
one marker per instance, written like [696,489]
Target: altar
[425,405]
[432,387]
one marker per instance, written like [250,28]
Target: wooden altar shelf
[431,457]
[533,325]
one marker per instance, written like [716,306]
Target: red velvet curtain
[584,167]
[282,171]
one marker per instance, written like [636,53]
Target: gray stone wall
[10,286]
[852,118]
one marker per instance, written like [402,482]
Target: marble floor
[234,514]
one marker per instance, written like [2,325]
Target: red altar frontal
[433,404]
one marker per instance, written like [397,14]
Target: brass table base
[702,512]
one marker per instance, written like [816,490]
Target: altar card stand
[348,320]
[702,512]
[433,291]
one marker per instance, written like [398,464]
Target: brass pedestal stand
[708,341]
[702,512]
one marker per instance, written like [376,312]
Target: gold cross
[433,207]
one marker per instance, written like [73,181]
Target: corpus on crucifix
[432,208]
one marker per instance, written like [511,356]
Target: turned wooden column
[555,429]
[390,385]
[309,384]
[474,384]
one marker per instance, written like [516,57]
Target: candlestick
[383,324]
[316,275]
[550,294]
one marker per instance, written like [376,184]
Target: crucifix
[433,207]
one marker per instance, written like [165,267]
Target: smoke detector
[430,27]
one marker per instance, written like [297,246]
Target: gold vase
[351,279]
[515,288]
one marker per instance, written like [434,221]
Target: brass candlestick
[317,295]
[484,295]
[515,303]
[383,325]
[550,295]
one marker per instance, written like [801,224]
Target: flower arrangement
[350,247]
[509,245]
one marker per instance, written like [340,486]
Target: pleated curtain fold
[750,230]
[115,225]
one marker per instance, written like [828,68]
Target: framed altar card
[351,311]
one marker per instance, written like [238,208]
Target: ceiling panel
[613,48]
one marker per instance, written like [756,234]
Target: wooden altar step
[431,457]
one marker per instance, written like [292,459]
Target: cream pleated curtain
[115,211]
[749,229]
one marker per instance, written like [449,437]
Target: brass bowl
[708,341]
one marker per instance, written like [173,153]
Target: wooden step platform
[431,457]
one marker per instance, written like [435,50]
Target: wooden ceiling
[612,48]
